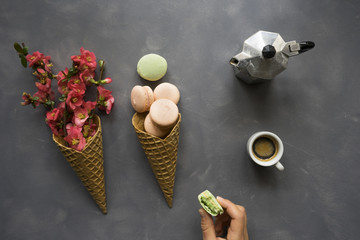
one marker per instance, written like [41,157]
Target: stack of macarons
[161,105]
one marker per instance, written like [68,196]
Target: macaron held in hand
[209,203]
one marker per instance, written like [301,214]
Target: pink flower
[55,128]
[80,116]
[62,106]
[55,114]
[42,96]
[55,121]
[75,138]
[109,104]
[48,66]
[89,106]
[62,83]
[63,87]
[89,129]
[103,93]
[75,98]
[41,73]
[76,83]
[39,59]
[89,59]
[105,99]
[44,85]
[77,59]
[93,129]
[34,58]
[69,126]
[61,76]
[27,99]
[86,75]
[51,94]
[46,63]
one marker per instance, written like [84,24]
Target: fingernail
[219,198]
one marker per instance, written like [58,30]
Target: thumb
[207,225]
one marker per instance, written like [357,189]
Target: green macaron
[152,67]
[209,203]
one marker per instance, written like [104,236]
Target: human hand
[233,218]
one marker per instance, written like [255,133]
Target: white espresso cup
[266,149]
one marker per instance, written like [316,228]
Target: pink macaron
[152,129]
[167,91]
[164,113]
[142,98]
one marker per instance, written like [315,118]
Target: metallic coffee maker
[265,55]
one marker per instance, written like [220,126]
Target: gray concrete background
[313,106]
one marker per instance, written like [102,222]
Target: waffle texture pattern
[88,165]
[161,154]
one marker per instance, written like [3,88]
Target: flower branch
[72,119]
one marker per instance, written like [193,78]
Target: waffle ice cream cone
[88,165]
[161,154]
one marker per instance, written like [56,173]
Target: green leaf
[35,98]
[18,48]
[72,71]
[62,98]
[50,103]
[23,61]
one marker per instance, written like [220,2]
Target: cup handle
[279,166]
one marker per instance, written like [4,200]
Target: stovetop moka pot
[265,55]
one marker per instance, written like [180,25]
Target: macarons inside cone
[152,129]
[164,113]
[141,98]
[167,91]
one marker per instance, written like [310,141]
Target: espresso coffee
[265,148]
